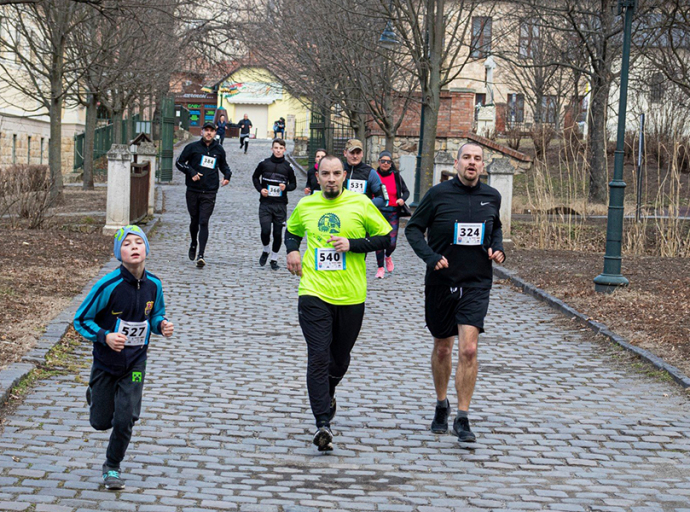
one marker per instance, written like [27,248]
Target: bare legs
[466,373]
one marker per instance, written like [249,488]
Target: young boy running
[118,316]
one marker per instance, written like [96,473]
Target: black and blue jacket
[119,296]
[374,188]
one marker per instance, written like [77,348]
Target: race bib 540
[469,233]
[329,259]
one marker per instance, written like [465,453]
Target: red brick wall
[455,116]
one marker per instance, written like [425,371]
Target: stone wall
[25,141]
[448,145]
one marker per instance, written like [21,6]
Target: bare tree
[42,68]
[668,44]
[125,56]
[436,36]
[595,27]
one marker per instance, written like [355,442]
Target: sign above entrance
[252,93]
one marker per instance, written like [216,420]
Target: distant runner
[273,179]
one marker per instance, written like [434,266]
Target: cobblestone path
[561,423]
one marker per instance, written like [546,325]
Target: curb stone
[54,331]
[597,327]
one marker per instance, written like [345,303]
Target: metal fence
[103,140]
[329,133]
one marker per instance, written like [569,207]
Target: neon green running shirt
[350,215]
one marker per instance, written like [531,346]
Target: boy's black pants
[116,404]
[330,331]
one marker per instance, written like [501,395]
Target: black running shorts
[445,308]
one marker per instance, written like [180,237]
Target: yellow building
[257,92]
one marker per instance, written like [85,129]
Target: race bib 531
[359,186]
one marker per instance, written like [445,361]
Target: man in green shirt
[333,284]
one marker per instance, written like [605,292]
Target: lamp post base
[608,283]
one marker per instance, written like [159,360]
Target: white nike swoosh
[484,204]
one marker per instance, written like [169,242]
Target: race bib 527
[136,332]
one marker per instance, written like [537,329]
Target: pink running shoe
[379,273]
[389,264]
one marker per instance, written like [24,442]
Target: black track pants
[116,404]
[331,332]
[272,216]
[200,206]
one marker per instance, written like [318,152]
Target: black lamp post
[610,279]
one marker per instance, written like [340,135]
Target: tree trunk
[596,138]
[89,136]
[55,149]
[431,94]
[429,129]
[117,127]
[390,142]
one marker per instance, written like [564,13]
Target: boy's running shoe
[112,479]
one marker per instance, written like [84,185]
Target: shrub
[25,193]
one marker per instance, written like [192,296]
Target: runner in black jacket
[361,177]
[312,182]
[273,179]
[464,238]
[201,161]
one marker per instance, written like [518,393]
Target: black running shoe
[88,396]
[461,427]
[440,423]
[263,259]
[274,265]
[192,252]
[323,439]
[200,261]
[112,479]
[331,413]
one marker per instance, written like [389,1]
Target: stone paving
[561,423]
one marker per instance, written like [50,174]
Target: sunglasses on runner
[386,161]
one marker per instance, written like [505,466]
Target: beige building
[25,125]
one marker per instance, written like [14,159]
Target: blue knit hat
[120,236]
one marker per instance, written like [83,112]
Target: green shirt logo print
[329,223]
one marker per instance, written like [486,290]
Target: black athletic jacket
[274,171]
[312,183]
[119,296]
[442,206]
[191,161]
[365,172]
